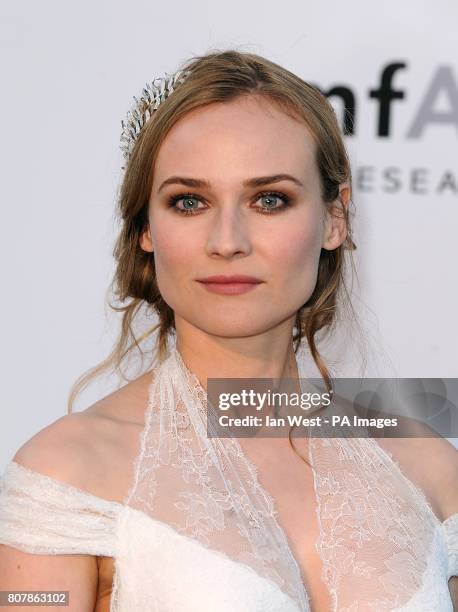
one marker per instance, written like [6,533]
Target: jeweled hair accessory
[152,95]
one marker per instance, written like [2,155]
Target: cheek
[295,257]
[297,250]
[175,252]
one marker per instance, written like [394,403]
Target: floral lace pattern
[376,530]
[198,531]
[205,488]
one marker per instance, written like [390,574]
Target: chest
[289,480]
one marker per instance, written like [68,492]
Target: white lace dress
[198,532]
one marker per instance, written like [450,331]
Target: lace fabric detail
[197,526]
[204,487]
[163,570]
[41,515]
[376,536]
[377,532]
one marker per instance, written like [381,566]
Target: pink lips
[236,278]
[229,285]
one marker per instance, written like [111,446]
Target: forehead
[223,140]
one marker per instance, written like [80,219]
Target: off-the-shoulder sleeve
[41,515]
[451,535]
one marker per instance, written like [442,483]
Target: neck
[208,360]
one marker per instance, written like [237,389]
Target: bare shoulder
[61,449]
[440,458]
[432,462]
[93,449]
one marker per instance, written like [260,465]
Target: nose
[228,233]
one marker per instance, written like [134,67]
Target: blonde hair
[222,76]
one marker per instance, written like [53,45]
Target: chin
[234,325]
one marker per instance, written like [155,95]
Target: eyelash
[174,199]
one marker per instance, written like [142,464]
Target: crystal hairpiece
[152,95]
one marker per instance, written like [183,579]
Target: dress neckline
[254,477]
[254,472]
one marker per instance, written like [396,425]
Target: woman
[235,166]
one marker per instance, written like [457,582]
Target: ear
[335,226]
[145,240]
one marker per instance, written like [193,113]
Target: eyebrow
[253,182]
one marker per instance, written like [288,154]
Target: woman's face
[222,223]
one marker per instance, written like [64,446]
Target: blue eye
[186,197]
[271,197]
